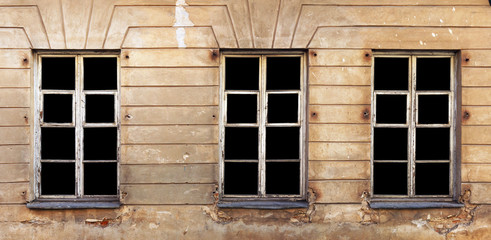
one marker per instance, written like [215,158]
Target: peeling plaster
[367,214]
[305,216]
[180,36]
[445,225]
[181,20]
[182,16]
[214,212]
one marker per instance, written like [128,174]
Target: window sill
[413,205]
[264,204]
[72,204]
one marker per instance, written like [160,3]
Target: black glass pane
[57,108]
[241,143]
[433,74]
[282,143]
[390,178]
[433,109]
[100,178]
[100,73]
[241,108]
[241,73]
[432,178]
[240,178]
[100,143]
[390,143]
[282,178]
[283,73]
[391,73]
[391,109]
[282,108]
[58,143]
[432,144]
[58,73]
[99,108]
[57,178]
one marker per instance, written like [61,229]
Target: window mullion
[79,106]
[412,128]
[262,126]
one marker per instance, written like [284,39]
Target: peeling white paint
[180,36]
[419,223]
[450,31]
[181,20]
[181,3]
[453,9]
[191,190]
[153,226]
[164,212]
[182,17]
[185,156]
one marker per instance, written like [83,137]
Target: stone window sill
[413,205]
[73,204]
[263,204]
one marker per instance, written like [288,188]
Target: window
[262,128]
[77,128]
[413,126]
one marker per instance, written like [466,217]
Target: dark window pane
[58,143]
[99,108]
[283,73]
[282,178]
[100,143]
[240,178]
[241,73]
[282,142]
[282,108]
[391,108]
[57,178]
[57,108]
[433,74]
[390,143]
[241,108]
[432,178]
[390,178]
[58,73]
[391,73]
[241,143]
[100,73]
[432,144]
[433,109]
[100,178]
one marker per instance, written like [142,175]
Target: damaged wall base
[340,221]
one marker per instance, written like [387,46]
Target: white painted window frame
[412,122]
[262,123]
[78,121]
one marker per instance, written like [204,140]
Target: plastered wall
[170,59]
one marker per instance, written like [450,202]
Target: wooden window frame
[411,200]
[262,199]
[79,199]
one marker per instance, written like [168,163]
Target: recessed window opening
[262,128]
[78,127]
[413,126]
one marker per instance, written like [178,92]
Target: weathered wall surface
[170,106]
